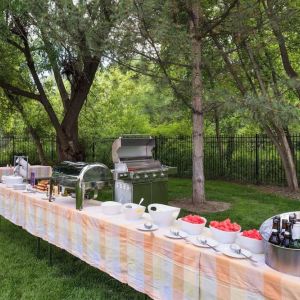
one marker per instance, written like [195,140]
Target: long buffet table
[148,261]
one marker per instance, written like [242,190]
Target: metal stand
[38,247]
[50,254]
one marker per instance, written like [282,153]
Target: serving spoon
[141,201]
[148,225]
[204,242]
[237,249]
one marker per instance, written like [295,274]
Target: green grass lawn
[23,276]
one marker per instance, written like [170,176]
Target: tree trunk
[289,165]
[281,142]
[198,122]
[68,145]
[38,144]
[279,139]
[289,139]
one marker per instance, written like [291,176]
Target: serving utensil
[148,225]
[141,201]
[176,232]
[203,241]
[237,249]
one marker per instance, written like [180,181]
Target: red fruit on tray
[225,225]
[193,219]
[252,234]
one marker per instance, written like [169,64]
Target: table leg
[38,247]
[50,249]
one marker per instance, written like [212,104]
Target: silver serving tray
[285,260]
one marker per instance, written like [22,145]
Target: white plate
[142,227]
[195,240]
[229,252]
[182,235]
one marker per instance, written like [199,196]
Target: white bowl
[163,215]
[133,211]
[191,228]
[253,245]
[11,180]
[224,237]
[111,207]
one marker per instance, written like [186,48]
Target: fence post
[156,146]
[52,146]
[93,150]
[257,158]
[13,146]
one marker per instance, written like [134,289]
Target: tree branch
[224,15]
[148,37]
[19,92]
[30,63]
[16,45]
[57,76]
[286,62]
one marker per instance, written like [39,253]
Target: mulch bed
[278,190]
[208,207]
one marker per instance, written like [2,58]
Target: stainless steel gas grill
[80,178]
[137,174]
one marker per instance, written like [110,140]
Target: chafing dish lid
[69,168]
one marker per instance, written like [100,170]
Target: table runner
[149,262]
[40,171]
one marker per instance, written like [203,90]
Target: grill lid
[128,148]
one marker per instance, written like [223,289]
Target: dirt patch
[208,207]
[279,191]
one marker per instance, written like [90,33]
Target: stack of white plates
[19,186]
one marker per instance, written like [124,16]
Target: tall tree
[174,34]
[58,37]
[252,65]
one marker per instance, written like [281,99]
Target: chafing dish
[286,260]
[82,178]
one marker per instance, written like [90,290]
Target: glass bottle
[284,227]
[289,227]
[274,238]
[286,242]
[292,218]
[276,224]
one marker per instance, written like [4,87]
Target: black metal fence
[252,159]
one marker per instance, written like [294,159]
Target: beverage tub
[286,260]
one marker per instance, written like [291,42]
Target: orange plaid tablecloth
[40,171]
[149,262]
